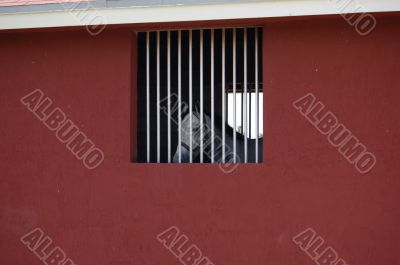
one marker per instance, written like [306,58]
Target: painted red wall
[112,214]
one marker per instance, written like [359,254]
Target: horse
[230,156]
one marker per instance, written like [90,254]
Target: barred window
[200,96]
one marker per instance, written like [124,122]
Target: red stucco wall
[112,214]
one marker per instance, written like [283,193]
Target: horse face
[186,133]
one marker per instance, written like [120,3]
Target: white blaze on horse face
[189,131]
[194,133]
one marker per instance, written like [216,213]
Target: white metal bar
[249,110]
[234,91]
[212,95]
[245,92]
[169,92]
[158,97]
[256,84]
[179,96]
[241,109]
[223,95]
[190,96]
[148,96]
[201,97]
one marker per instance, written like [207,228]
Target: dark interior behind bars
[141,80]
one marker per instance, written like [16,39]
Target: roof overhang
[87,14]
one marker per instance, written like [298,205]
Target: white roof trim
[261,9]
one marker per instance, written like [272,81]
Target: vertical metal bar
[241,108]
[169,93]
[234,91]
[256,87]
[179,96]
[201,96]
[148,96]
[249,113]
[212,95]
[190,97]
[245,92]
[158,96]
[226,105]
[223,95]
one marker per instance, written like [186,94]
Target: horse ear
[185,111]
[197,106]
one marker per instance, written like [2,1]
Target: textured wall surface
[111,215]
